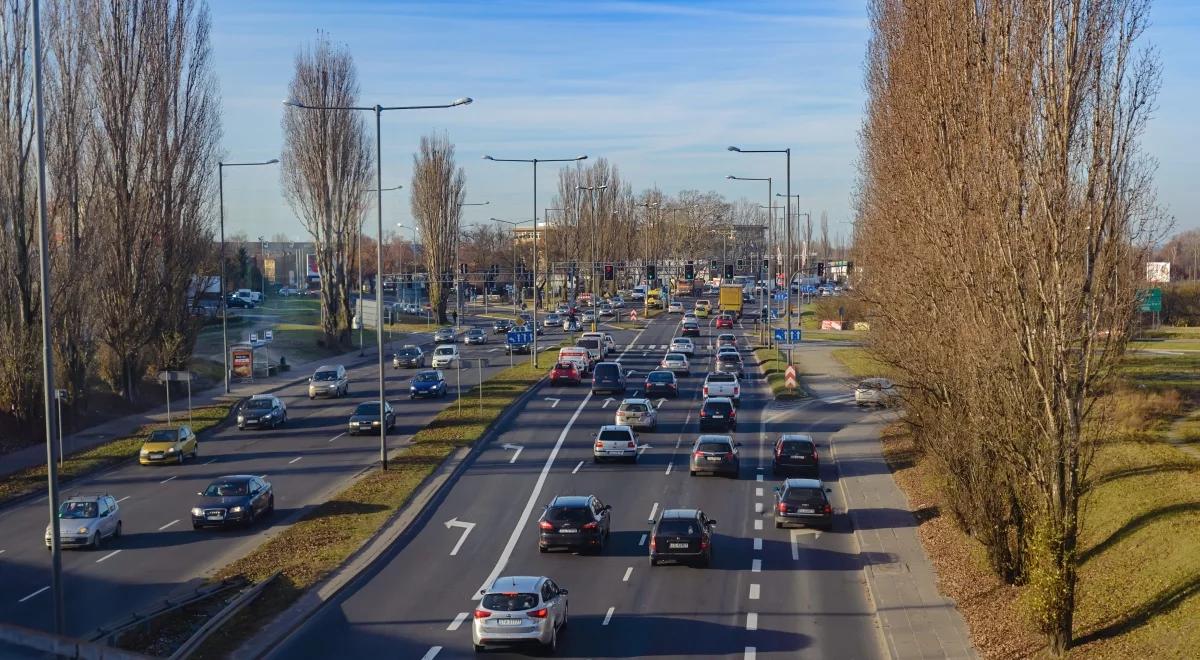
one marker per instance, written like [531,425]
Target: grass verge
[83,463]
[859,363]
[321,541]
[774,364]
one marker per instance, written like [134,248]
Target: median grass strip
[859,363]
[108,454]
[774,364]
[310,549]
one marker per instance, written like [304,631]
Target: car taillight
[482,614]
[545,525]
[653,545]
[599,444]
[706,390]
[703,542]
[737,390]
[539,614]
[698,455]
[702,413]
[733,413]
[779,451]
[590,525]
[631,445]
[816,458]
[729,456]
[782,507]
[828,510]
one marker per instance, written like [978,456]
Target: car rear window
[722,378]
[613,434]
[718,407]
[565,366]
[606,371]
[680,527]
[587,343]
[510,602]
[562,514]
[660,377]
[713,446]
[796,447]
[812,496]
[634,407]
[729,357]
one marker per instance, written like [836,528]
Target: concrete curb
[433,488]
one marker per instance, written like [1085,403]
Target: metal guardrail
[189,647]
[62,647]
[107,635]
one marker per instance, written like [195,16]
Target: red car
[724,322]
[565,372]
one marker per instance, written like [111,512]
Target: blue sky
[658,88]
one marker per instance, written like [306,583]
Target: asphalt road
[769,593]
[307,461]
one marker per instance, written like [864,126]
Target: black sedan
[239,499]
[366,418]
[409,356]
[501,326]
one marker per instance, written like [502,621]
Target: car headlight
[171,450]
[144,452]
[241,418]
[197,511]
[412,388]
[235,509]
[83,530]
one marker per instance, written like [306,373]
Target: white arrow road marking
[458,620]
[658,404]
[517,453]
[466,528]
[432,653]
[555,404]
[608,616]
[796,534]
[33,594]
[607,401]
[111,554]
[167,525]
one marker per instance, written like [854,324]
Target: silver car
[475,336]
[87,520]
[639,413]
[444,336]
[519,610]
[683,345]
[329,380]
[676,362]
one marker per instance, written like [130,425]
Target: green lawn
[859,363]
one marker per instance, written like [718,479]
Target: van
[577,356]
[607,343]
[639,292]
[594,348]
[609,377]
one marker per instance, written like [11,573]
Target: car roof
[520,583]
[84,498]
[720,375]
[676,514]
[571,501]
[685,340]
[235,477]
[450,346]
[634,399]
[474,330]
[429,371]
[803,483]
[615,427]
[260,397]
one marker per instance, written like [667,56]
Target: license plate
[805,510]
[568,531]
[679,546]
[718,416]
[156,456]
[714,458]
[798,456]
[510,622]
[214,515]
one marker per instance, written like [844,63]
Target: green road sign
[1150,300]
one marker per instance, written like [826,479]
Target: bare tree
[326,170]
[438,189]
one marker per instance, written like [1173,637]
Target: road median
[774,366]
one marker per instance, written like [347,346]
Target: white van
[606,341]
[577,356]
[639,292]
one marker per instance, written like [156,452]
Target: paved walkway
[918,622]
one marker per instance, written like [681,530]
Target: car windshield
[634,407]
[259,404]
[163,435]
[718,407]
[714,446]
[475,333]
[675,357]
[78,510]
[225,489]
[660,377]
[510,602]
[678,527]
[325,375]
[445,350]
[562,514]
[367,408]
[565,366]
[409,352]
[810,496]
[615,435]
[427,377]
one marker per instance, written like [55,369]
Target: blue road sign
[795,335]
[780,335]
[519,337]
[780,295]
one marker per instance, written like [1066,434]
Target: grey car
[717,454]
[475,336]
[366,418]
[409,356]
[330,381]
[444,336]
[86,521]
[519,610]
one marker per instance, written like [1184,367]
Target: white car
[676,362]
[875,392]
[587,316]
[517,610]
[615,441]
[607,344]
[85,521]
[723,384]
[445,356]
[675,308]
[682,345]
[552,321]
[617,302]
[689,316]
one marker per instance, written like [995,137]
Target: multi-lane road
[306,461]
[768,593]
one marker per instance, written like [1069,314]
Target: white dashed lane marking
[458,620]
[754,590]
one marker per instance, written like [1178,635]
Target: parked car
[718,412]
[238,499]
[262,410]
[518,611]
[444,336]
[803,501]
[796,453]
[718,383]
[86,521]
[574,521]
[875,392]
[445,356]
[637,413]
[609,377]
[366,417]
[565,372]
[429,382]
[613,441]
[501,326]
[329,380]
[475,336]
[717,454]
[662,382]
[676,362]
[682,345]
[169,446]
[409,356]
[682,535]
[234,300]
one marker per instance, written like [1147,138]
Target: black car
[803,502]
[691,329]
[237,301]
[608,377]
[234,500]
[262,410]
[682,535]
[574,521]
[501,326]
[718,412]
[729,363]
[796,453]
[366,418]
[715,454]
[663,383]
[409,356]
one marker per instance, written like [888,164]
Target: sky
[658,88]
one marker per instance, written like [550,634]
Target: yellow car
[169,446]
[702,309]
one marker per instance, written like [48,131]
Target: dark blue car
[428,382]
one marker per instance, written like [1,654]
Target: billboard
[241,360]
[1158,271]
[312,265]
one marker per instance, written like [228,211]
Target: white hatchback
[683,345]
[875,392]
[519,610]
[445,356]
[675,308]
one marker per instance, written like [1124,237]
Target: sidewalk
[917,621]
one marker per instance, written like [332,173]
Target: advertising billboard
[241,360]
[1158,271]
[312,265]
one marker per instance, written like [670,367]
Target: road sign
[514,337]
[795,338]
[789,377]
[268,335]
[1150,300]
[780,335]
[780,295]
[253,337]
[633,315]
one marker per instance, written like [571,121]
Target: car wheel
[479,648]
[543,549]
[241,427]
[692,472]
[653,561]
[778,525]
[97,541]
[270,506]
[196,451]
[552,647]
[117,533]
[195,526]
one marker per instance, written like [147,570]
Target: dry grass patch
[859,363]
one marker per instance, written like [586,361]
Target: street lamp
[221,271]
[378,274]
[595,290]
[378,110]
[534,357]
[788,280]
[514,225]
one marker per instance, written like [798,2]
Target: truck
[723,384]
[683,287]
[731,299]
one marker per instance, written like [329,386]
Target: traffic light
[766,263]
[608,273]
[689,271]
[462,268]
[741,264]
[651,272]
[820,269]
[712,263]
[729,271]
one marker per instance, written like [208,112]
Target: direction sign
[633,315]
[795,335]
[268,335]
[781,335]
[514,337]
[780,295]
[253,337]
[1150,300]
